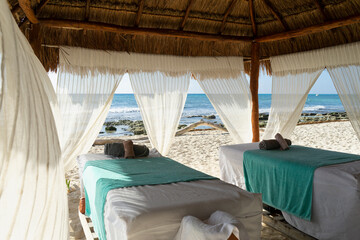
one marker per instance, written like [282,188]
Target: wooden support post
[35,39]
[254,87]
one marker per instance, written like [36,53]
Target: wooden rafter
[320,7]
[41,6]
[276,14]
[139,12]
[29,12]
[227,12]
[252,17]
[80,25]
[187,12]
[38,9]
[87,10]
[311,29]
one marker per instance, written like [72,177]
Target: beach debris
[201,123]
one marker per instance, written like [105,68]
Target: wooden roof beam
[139,12]
[252,17]
[309,30]
[29,12]
[320,7]
[40,7]
[187,12]
[227,12]
[80,25]
[276,14]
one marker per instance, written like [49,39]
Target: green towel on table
[101,176]
[285,178]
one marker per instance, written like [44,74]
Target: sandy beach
[199,150]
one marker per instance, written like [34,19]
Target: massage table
[155,212]
[336,195]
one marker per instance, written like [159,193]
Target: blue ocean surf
[124,107]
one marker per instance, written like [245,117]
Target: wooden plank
[79,25]
[276,14]
[226,14]
[252,17]
[309,30]
[105,141]
[200,123]
[29,12]
[187,12]
[139,12]
[254,88]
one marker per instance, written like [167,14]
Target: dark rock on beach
[110,129]
[209,117]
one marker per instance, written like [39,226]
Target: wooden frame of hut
[254,29]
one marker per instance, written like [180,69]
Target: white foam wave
[306,109]
[124,110]
[314,108]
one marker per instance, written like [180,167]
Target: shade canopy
[191,27]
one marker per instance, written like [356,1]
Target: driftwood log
[200,123]
[178,133]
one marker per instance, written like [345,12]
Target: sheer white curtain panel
[293,77]
[229,93]
[84,97]
[288,97]
[161,99]
[347,83]
[33,200]
[295,74]
[343,65]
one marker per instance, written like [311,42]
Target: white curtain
[295,74]
[84,95]
[343,65]
[33,200]
[293,77]
[229,93]
[288,97]
[161,98]
[347,83]
[160,84]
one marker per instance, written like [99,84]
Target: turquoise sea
[124,107]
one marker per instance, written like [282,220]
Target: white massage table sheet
[155,212]
[336,195]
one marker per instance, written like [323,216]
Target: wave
[306,109]
[314,108]
[124,110]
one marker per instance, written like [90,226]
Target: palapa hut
[258,32]
[254,29]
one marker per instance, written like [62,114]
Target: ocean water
[124,107]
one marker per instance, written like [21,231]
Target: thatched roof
[190,27]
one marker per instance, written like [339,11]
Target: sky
[323,85]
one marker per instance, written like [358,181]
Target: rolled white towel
[219,226]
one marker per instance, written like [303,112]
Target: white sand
[200,150]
